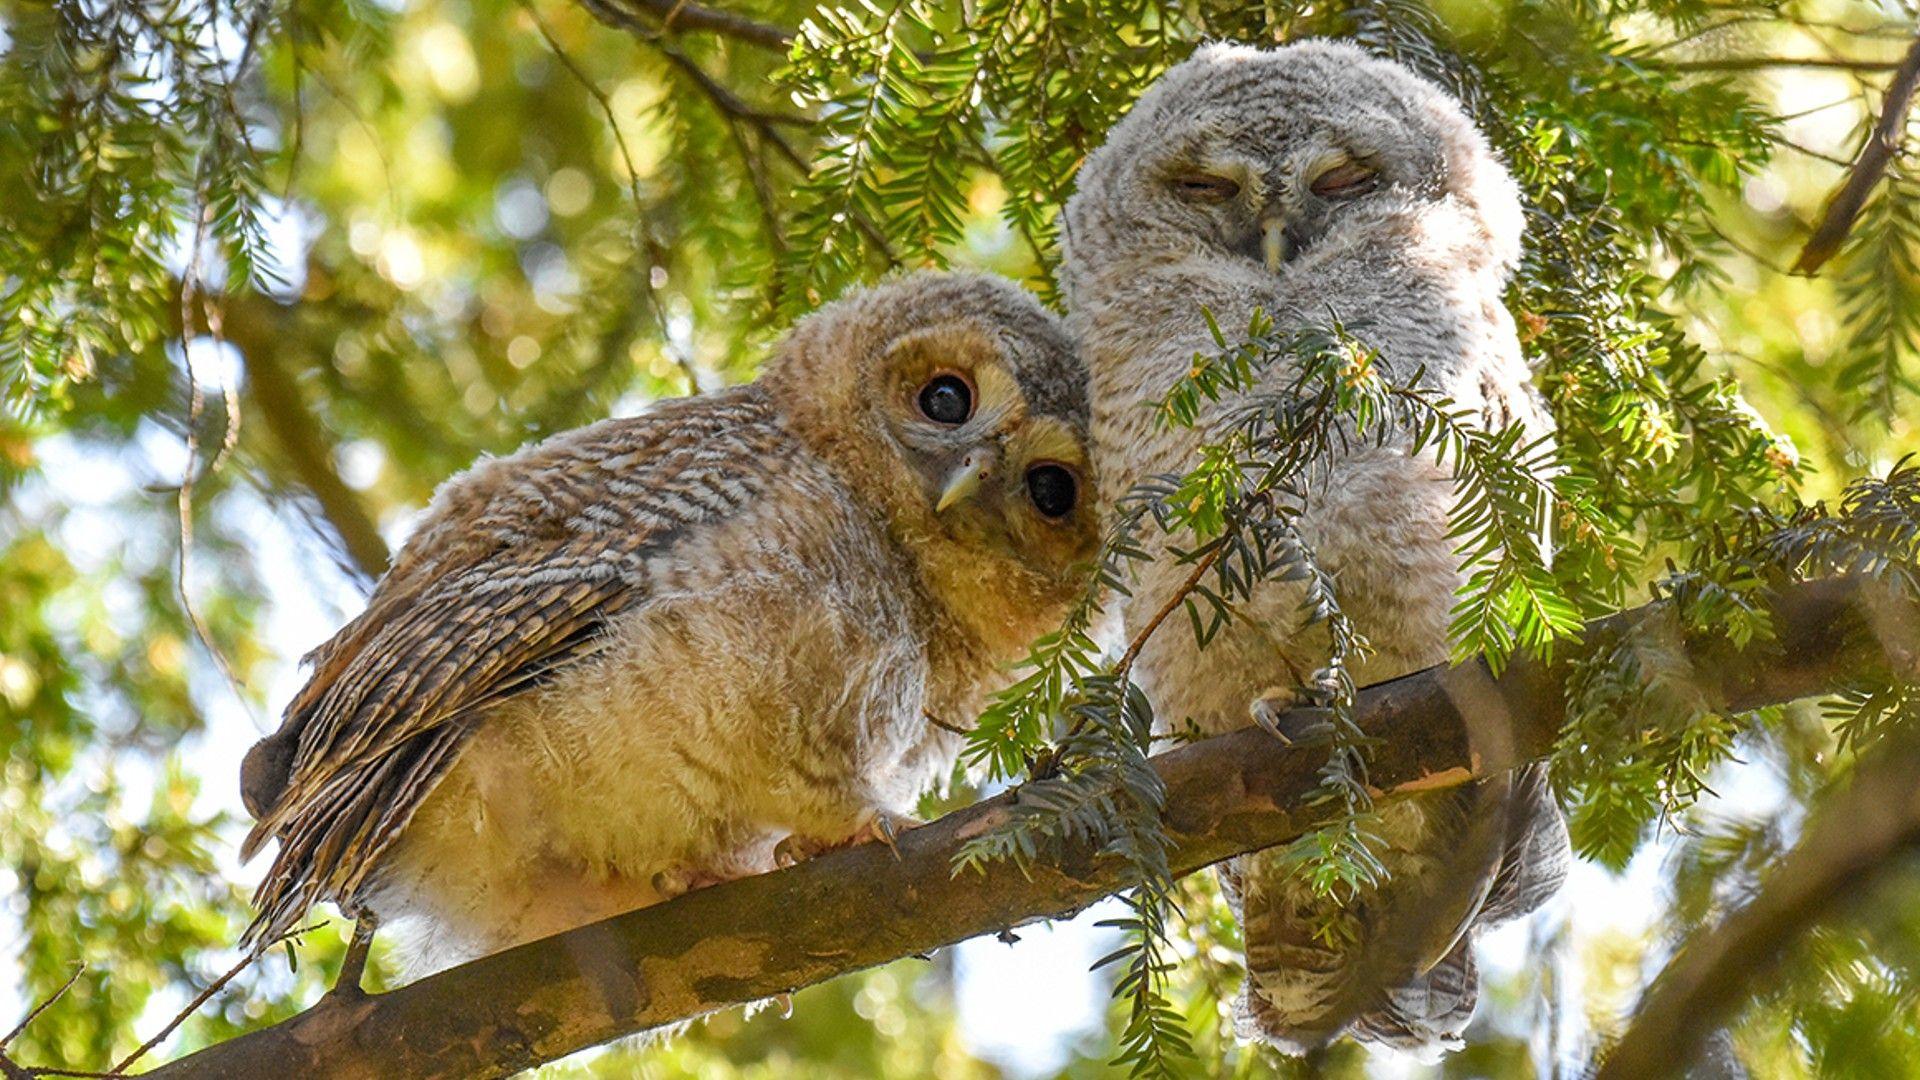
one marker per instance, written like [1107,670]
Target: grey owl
[639,656]
[1302,180]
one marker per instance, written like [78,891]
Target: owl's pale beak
[965,479]
[1274,245]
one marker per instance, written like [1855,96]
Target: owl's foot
[1292,715]
[882,825]
[798,849]
[681,879]
[886,827]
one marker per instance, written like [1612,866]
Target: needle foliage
[269,271]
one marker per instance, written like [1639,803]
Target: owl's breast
[774,661]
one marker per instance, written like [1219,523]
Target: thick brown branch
[1857,835]
[1851,197]
[667,16]
[853,909]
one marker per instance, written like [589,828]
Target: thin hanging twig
[641,241]
[34,1014]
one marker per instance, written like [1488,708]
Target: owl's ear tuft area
[1476,177]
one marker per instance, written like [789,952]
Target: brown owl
[639,656]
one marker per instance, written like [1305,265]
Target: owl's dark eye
[1345,181]
[946,399]
[1206,186]
[1053,489]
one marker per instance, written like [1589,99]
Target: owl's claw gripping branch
[887,828]
[884,826]
[1294,715]
[797,849]
[740,941]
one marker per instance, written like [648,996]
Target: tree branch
[1851,196]
[1858,834]
[673,15]
[735,110]
[264,331]
[256,331]
[852,909]
[1762,63]
[667,16]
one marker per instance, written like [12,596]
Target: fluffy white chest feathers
[731,710]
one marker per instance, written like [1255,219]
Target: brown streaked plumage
[633,658]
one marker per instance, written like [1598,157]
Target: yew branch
[853,909]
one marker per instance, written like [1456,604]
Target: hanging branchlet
[1641,737]
[125,112]
[1879,286]
[910,93]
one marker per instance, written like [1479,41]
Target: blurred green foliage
[391,237]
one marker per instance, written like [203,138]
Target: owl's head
[1267,154]
[956,407]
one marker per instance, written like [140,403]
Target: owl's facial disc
[979,422]
[956,406]
[1267,188]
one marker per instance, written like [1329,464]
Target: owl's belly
[678,755]
[1377,523]
[529,835]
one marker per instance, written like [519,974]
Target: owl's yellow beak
[965,479]
[1274,245]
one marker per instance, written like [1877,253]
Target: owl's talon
[882,825]
[677,881]
[1286,713]
[798,849]
[887,828]
[1267,709]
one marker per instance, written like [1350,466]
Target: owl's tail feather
[1481,855]
[1534,864]
[1427,1015]
[1255,1019]
[1424,1016]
